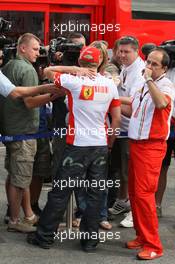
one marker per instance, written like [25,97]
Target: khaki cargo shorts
[19,162]
[43,159]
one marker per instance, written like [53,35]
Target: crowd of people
[116,115]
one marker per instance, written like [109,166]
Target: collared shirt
[147,121]
[17,118]
[6,87]
[131,81]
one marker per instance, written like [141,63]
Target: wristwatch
[149,79]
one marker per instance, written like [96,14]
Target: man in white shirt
[86,153]
[131,80]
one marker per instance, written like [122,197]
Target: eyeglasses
[152,63]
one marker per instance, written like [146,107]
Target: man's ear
[22,48]
[165,68]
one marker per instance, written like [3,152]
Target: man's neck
[20,56]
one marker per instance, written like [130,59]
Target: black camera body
[9,52]
[169,47]
[70,50]
[6,44]
[43,59]
[5,26]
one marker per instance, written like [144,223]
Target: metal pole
[69,213]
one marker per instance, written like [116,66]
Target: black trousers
[78,164]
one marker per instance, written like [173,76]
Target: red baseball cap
[90,54]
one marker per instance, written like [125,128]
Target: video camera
[9,52]
[43,59]
[6,44]
[9,47]
[5,26]
[169,47]
[70,50]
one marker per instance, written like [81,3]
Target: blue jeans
[78,163]
[80,197]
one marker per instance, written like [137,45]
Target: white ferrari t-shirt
[89,101]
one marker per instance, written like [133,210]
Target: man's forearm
[126,110]
[126,100]
[62,69]
[37,101]
[35,90]
[24,92]
[49,72]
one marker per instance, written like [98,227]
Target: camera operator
[60,50]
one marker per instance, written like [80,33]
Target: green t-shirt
[17,118]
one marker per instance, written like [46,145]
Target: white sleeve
[6,87]
[112,86]
[69,81]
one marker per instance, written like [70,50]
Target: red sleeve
[114,103]
[169,98]
[57,80]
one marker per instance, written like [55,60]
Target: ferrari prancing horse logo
[87,93]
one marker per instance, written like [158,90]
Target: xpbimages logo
[80,27]
[71,235]
[85,183]
[93,131]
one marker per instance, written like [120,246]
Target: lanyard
[140,99]
[142,95]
